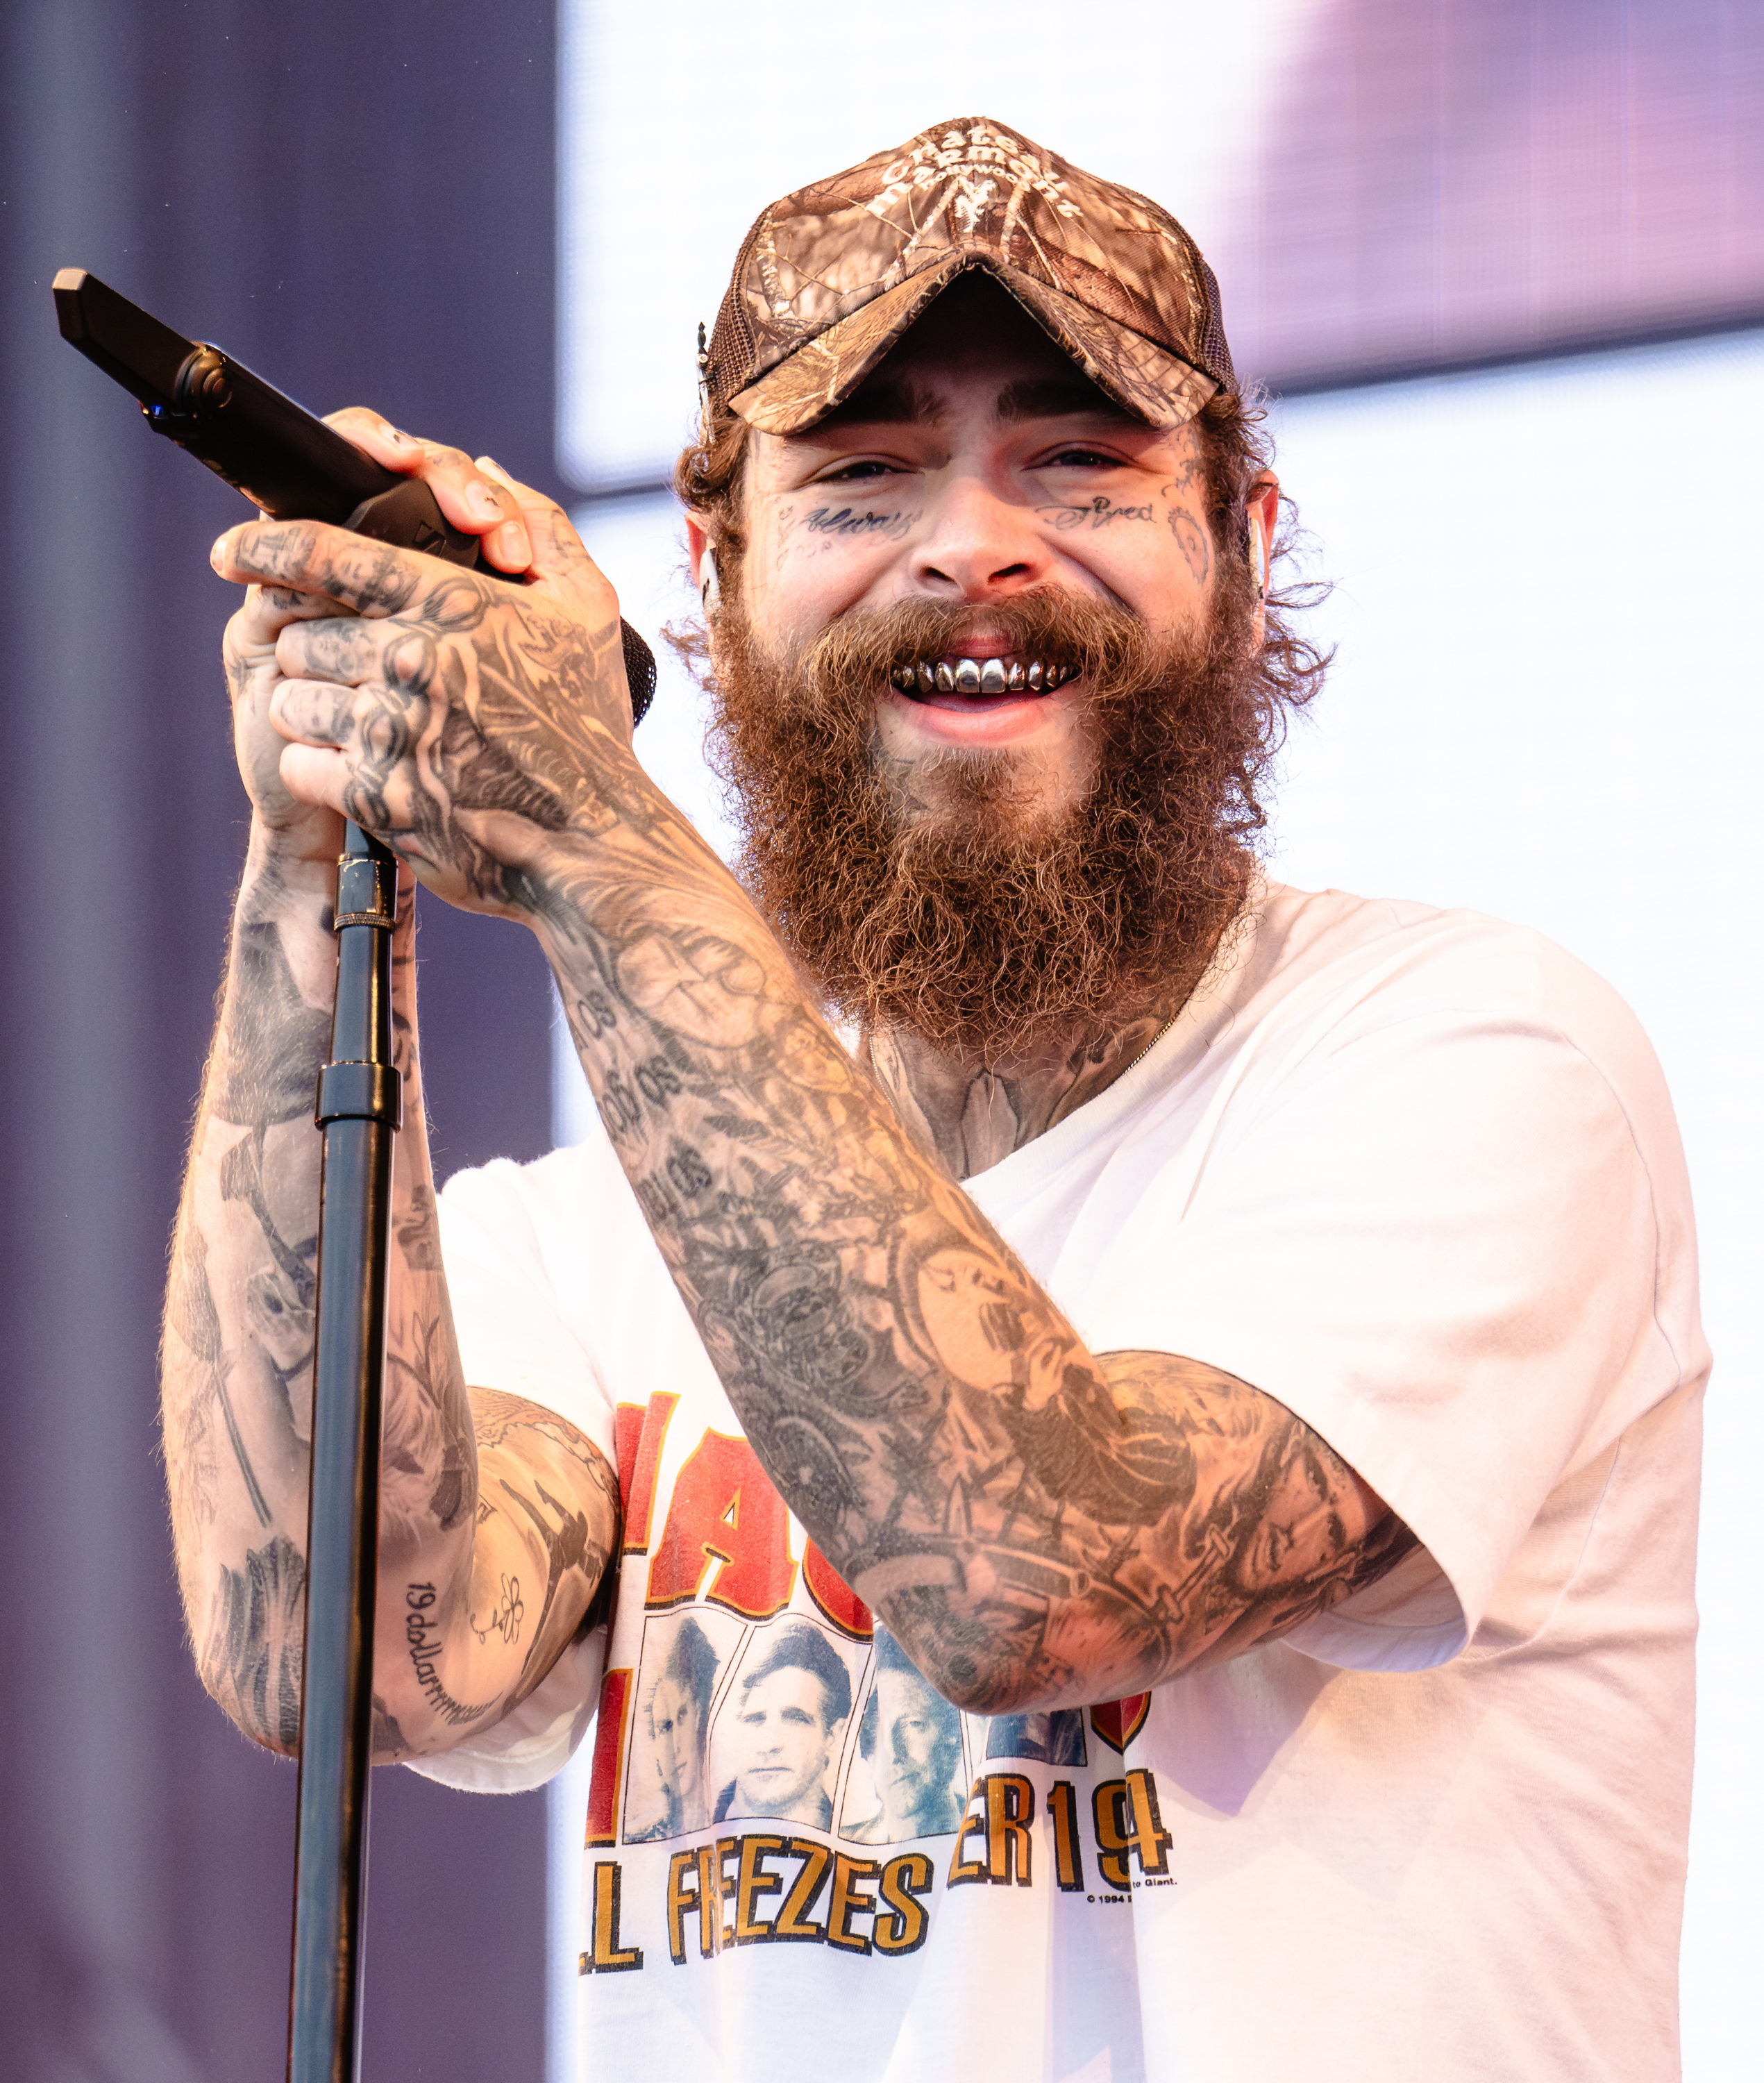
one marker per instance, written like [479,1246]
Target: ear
[1262,506]
[704,571]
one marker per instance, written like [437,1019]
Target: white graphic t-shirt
[1414,1173]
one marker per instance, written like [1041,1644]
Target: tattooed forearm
[250,1662]
[238,1357]
[1037,1524]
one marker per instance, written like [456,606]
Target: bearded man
[1264,1322]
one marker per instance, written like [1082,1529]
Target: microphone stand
[295,468]
[359,1110]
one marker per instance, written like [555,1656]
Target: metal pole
[359,1110]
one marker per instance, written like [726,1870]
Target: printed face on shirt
[678,1725]
[918,1751]
[785,1747]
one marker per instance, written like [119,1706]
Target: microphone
[284,458]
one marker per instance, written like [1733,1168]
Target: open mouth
[976,678]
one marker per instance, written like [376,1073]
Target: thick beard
[933,897]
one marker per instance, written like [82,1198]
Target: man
[678,1718]
[789,1720]
[1264,1321]
[911,1741]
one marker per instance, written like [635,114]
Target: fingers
[355,652]
[472,499]
[558,556]
[373,578]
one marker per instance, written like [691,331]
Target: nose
[979,546]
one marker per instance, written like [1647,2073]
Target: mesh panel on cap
[1213,350]
[732,348]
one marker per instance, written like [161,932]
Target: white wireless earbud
[710,591]
[1258,556]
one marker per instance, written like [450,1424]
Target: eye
[1075,456]
[851,473]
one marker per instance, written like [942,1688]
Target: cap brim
[1142,377]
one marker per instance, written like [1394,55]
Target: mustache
[1105,641]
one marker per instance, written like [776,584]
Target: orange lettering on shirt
[1129,1824]
[850,1876]
[1067,1860]
[692,1892]
[724,1510]
[962,1867]
[901,1919]
[608,1957]
[1009,1806]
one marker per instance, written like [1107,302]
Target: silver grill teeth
[976,676]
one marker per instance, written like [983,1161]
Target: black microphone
[283,457]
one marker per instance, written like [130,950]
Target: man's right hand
[296,829]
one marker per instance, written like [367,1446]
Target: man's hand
[457,718]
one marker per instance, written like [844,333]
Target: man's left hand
[458,717]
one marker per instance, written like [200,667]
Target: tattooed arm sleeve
[1038,1523]
[496,1517]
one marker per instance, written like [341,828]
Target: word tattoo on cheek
[847,521]
[1099,513]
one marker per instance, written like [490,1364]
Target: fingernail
[217,554]
[399,435]
[481,503]
[511,542]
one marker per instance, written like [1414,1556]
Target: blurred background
[1501,267]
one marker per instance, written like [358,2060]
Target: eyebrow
[893,401]
[1057,398]
[903,400]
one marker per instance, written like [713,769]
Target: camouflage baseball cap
[830,278]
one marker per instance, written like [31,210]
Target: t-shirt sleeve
[514,1336]
[1433,1238]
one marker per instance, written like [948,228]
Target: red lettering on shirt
[724,1510]
[608,1774]
[834,1596]
[639,1430]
